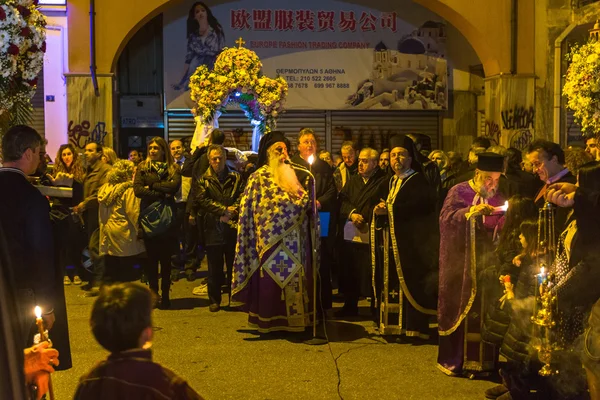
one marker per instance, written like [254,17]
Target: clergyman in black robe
[401,250]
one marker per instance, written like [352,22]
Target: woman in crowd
[119,213]
[443,163]
[109,156]
[156,181]
[205,40]
[68,171]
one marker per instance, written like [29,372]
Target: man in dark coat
[407,218]
[214,209]
[548,161]
[95,176]
[359,197]
[326,201]
[25,217]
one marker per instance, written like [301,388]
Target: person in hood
[120,244]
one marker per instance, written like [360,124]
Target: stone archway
[468,28]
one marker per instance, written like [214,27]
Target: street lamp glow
[311,159]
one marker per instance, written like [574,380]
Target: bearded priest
[470,215]
[272,269]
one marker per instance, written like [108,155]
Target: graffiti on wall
[514,128]
[521,139]
[518,117]
[492,132]
[80,135]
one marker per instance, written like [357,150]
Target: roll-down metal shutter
[238,131]
[37,102]
[373,128]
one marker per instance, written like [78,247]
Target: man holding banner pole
[326,201]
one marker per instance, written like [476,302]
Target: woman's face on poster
[200,13]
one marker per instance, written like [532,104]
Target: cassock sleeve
[454,209]
[40,245]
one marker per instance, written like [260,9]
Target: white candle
[501,208]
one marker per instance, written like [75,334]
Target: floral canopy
[582,85]
[237,76]
[22,47]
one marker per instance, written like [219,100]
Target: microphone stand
[315,340]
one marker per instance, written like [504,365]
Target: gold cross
[240,42]
[393,293]
[282,267]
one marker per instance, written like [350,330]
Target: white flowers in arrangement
[22,48]
[582,85]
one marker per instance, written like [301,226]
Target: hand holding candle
[43,380]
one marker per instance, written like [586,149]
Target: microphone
[299,167]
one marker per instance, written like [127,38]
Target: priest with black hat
[403,252]
[272,268]
[471,213]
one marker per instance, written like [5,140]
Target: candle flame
[542,270]
[311,159]
[38,312]
[505,206]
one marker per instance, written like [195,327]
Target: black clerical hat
[490,162]
[408,144]
[268,140]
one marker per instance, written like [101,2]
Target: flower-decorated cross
[237,76]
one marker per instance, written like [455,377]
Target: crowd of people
[440,246]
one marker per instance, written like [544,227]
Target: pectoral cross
[240,42]
[393,293]
[281,266]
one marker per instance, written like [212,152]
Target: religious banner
[510,111]
[90,116]
[334,55]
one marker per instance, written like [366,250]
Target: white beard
[285,176]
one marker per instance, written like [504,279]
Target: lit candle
[541,275]
[501,208]
[40,323]
[311,159]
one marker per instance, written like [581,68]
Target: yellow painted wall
[116,22]
[484,23]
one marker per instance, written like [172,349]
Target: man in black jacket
[215,209]
[194,167]
[326,196]
[359,197]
